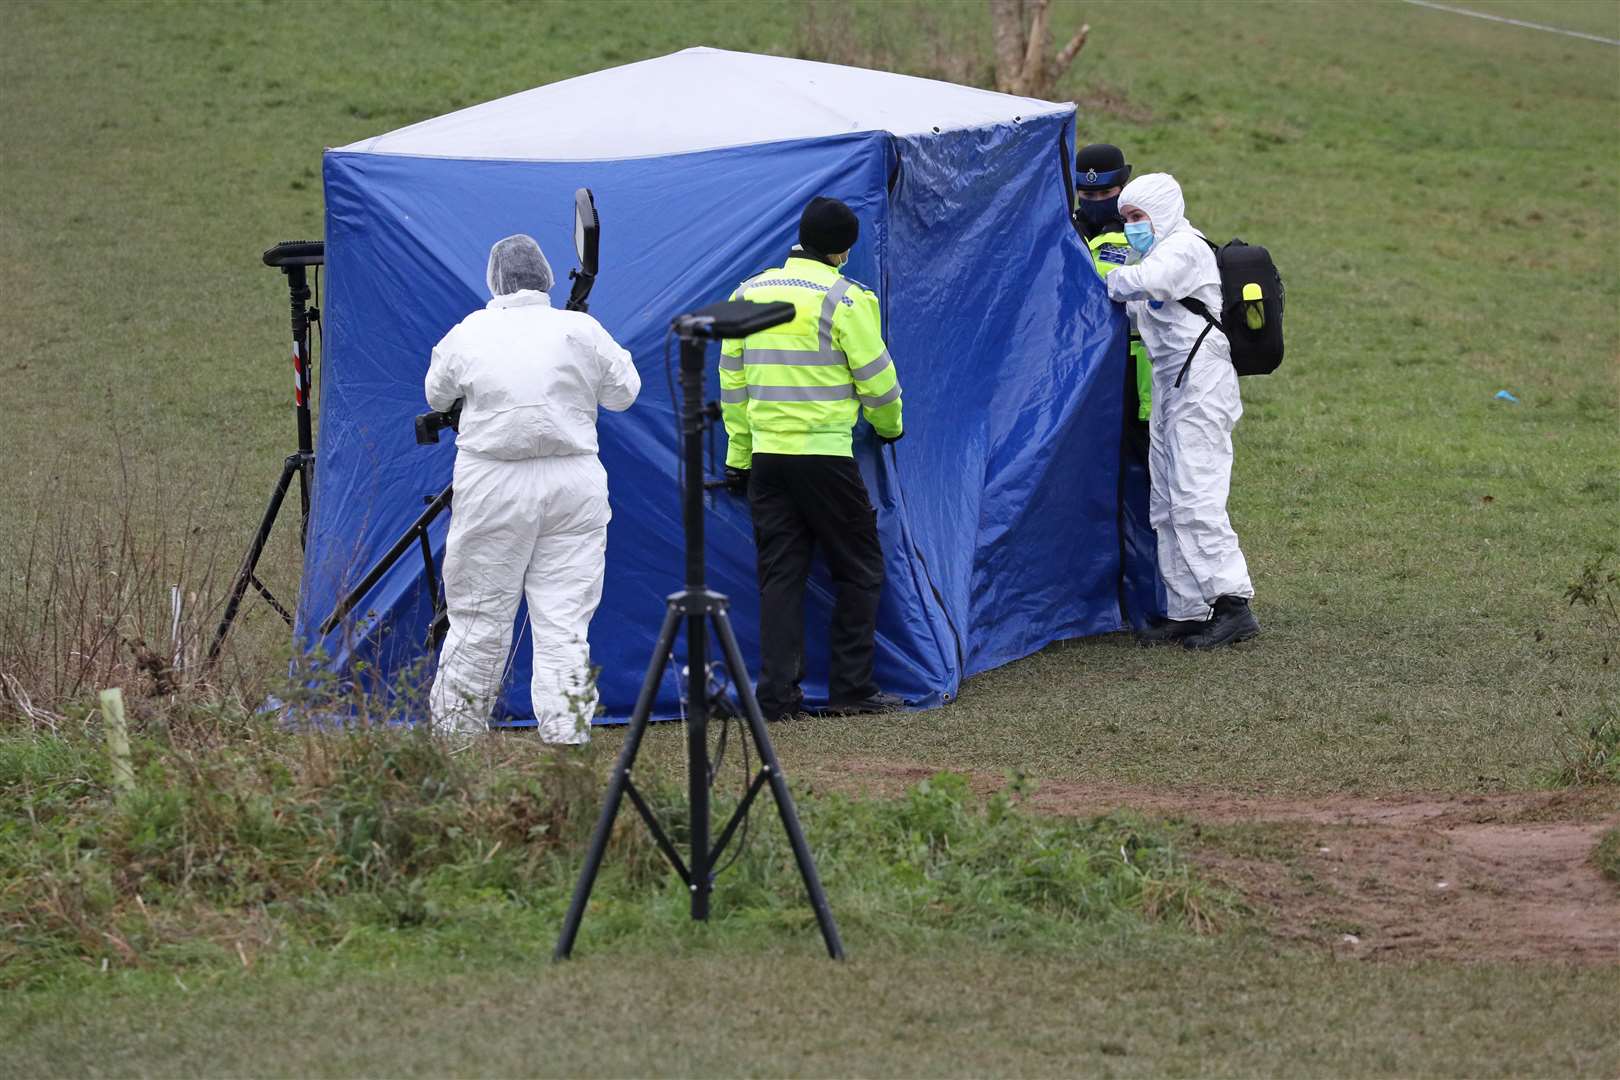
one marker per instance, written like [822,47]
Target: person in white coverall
[1190,429]
[530,511]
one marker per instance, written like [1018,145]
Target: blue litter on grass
[1503,395]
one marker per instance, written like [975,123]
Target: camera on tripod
[587,243]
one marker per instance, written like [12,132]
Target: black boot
[1168,631]
[877,702]
[774,712]
[1233,622]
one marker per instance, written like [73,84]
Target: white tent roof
[700,99]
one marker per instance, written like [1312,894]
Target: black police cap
[1100,166]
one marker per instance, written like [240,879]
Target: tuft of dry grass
[123,591]
[932,41]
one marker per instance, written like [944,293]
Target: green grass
[288,841]
[1409,535]
[1443,197]
[1120,1006]
[1581,16]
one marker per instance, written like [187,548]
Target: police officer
[1100,173]
[789,397]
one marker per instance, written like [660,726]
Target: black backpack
[1251,309]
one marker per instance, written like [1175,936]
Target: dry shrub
[123,589]
[933,41]
[911,37]
[80,612]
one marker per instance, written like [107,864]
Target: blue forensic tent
[1000,511]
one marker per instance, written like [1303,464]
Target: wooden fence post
[112,714]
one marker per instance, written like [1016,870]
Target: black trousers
[801,503]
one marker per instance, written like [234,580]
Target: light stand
[701,608]
[292,257]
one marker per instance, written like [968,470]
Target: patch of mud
[1448,892]
[1459,877]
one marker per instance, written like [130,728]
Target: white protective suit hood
[1194,410]
[1159,197]
[517,263]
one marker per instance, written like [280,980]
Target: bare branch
[1066,55]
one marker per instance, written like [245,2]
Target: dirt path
[1461,877]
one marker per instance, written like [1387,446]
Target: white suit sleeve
[621,382]
[443,382]
[1168,274]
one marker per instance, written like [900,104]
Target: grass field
[1443,196]
[1122,1007]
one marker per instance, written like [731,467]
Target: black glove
[737,481]
[889,440]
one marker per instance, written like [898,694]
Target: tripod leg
[440,626]
[251,563]
[697,761]
[352,598]
[441,599]
[779,788]
[616,785]
[306,486]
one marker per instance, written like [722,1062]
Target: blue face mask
[1140,235]
[1099,211]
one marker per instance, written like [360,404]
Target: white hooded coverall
[530,511]
[1190,428]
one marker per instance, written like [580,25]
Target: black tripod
[416,534]
[291,256]
[701,608]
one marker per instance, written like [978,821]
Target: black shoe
[878,702]
[1168,631]
[1233,622]
[775,713]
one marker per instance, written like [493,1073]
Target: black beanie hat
[828,227]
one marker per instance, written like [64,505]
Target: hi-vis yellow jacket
[1108,252]
[794,389]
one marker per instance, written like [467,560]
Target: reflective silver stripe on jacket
[829,308]
[732,397]
[763,280]
[881,399]
[802,393]
[730,363]
[792,357]
[866,371]
[749,284]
